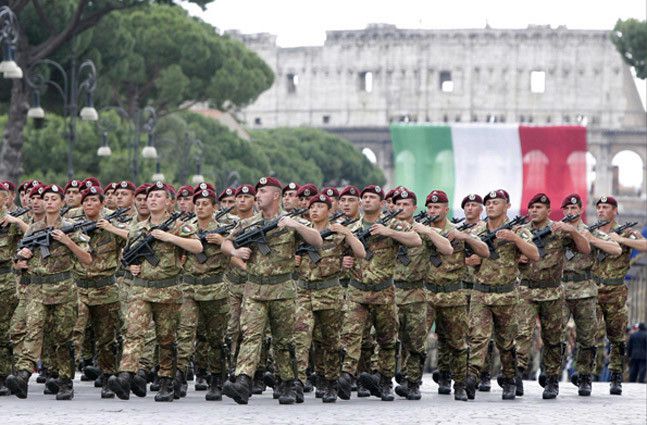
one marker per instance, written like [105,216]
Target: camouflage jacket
[214,265]
[611,267]
[581,264]
[9,237]
[416,271]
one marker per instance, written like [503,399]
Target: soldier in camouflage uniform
[155,295]
[270,294]
[541,293]
[11,230]
[333,194]
[411,268]
[289,196]
[494,299]
[581,294]
[109,192]
[608,273]
[371,297]
[50,296]
[320,299]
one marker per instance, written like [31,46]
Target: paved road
[488,408]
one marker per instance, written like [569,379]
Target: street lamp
[8,39]
[149,151]
[198,178]
[158,176]
[69,91]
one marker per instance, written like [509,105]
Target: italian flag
[478,158]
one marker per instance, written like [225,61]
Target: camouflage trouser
[104,320]
[499,320]
[368,347]
[255,317]
[526,327]
[235,301]
[86,350]
[452,327]
[551,318]
[62,318]
[612,311]
[326,324]
[214,314]
[141,314]
[18,327]
[202,350]
[7,308]
[586,323]
[413,334]
[384,318]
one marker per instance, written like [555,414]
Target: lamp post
[69,91]
[8,40]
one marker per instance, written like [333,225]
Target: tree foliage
[630,38]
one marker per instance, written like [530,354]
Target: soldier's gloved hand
[135,269]
[347,262]
[473,260]
[297,260]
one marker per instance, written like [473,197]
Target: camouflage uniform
[494,304]
[9,236]
[51,295]
[155,295]
[542,295]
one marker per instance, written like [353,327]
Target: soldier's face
[124,198]
[37,205]
[72,197]
[140,204]
[185,204]
[495,208]
[157,201]
[371,202]
[408,208]
[538,212]
[389,204]
[4,195]
[228,201]
[303,202]
[266,196]
[473,210]
[244,203]
[335,204]
[349,205]
[290,200]
[53,202]
[439,209]
[319,212]
[606,212]
[204,208]
[9,198]
[572,209]
[92,205]
[24,198]
[111,200]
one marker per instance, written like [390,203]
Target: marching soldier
[333,194]
[227,198]
[289,196]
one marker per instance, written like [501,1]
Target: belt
[270,280]
[236,279]
[99,282]
[575,277]
[371,287]
[468,285]
[24,279]
[51,278]
[7,268]
[318,284]
[202,280]
[162,283]
[344,282]
[449,287]
[494,289]
[407,286]
[124,273]
[541,284]
[614,281]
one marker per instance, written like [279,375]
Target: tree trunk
[12,140]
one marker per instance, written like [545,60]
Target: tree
[44,28]
[630,38]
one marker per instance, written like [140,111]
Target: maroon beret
[185,191]
[125,184]
[371,188]
[204,193]
[230,191]
[497,194]
[307,190]
[403,193]
[203,186]
[7,185]
[245,189]
[472,197]
[331,192]
[90,191]
[320,198]
[75,184]
[291,186]
[607,200]
[170,190]
[110,187]
[540,198]
[37,190]
[437,197]
[158,185]
[29,185]
[91,181]
[53,188]
[141,189]
[572,199]
[349,191]
[269,181]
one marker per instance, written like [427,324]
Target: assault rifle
[465,226]
[457,220]
[541,234]
[19,212]
[42,239]
[313,253]
[597,225]
[201,257]
[365,234]
[601,255]
[256,234]
[223,212]
[140,248]
[489,237]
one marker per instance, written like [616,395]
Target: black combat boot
[298,390]
[509,389]
[215,388]
[65,390]
[288,392]
[445,383]
[542,380]
[180,385]
[518,382]
[239,390]
[470,387]
[320,387]
[3,389]
[201,383]
[166,392]
[403,389]
[362,391]
[85,363]
[276,390]
[344,385]
[435,375]
[413,391]
[189,372]
[552,388]
[584,385]
[575,379]
[269,379]
[18,383]
[386,388]
[98,383]
[43,374]
[92,372]
[459,391]
[370,382]
[616,383]
[485,382]
[308,386]
[106,392]
[330,390]
[138,383]
[52,385]
[155,382]
[258,385]
[120,384]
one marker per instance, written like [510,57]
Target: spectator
[637,353]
